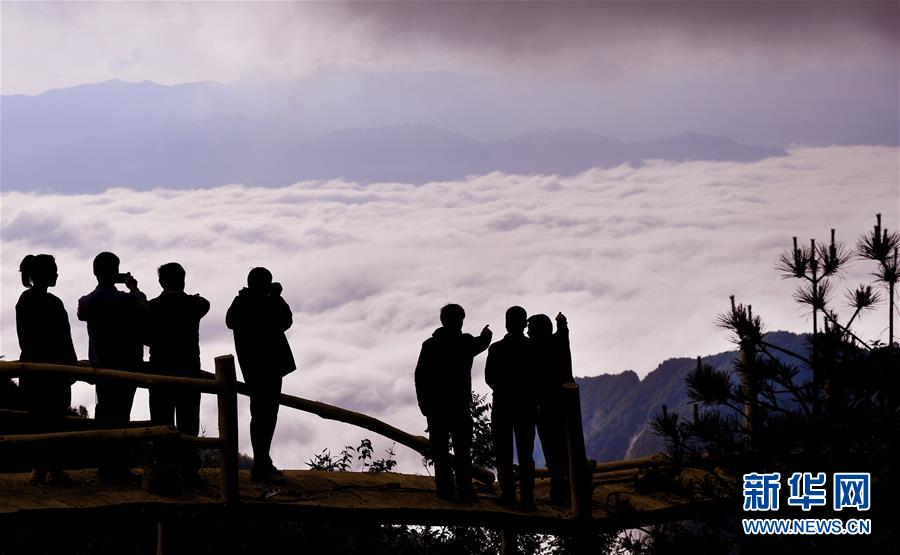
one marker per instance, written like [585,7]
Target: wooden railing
[224,386]
[223,383]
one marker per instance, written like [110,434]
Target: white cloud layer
[640,259]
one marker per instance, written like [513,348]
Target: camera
[122,278]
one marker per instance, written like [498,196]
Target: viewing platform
[606,496]
[352,496]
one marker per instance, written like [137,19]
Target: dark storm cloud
[626,32]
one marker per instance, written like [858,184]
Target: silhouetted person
[115,322]
[44,334]
[444,390]
[553,363]
[259,317]
[173,335]
[509,371]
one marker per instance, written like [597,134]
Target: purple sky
[50,45]
[770,73]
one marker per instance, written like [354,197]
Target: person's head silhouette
[259,280]
[171,276]
[38,271]
[516,318]
[540,327]
[452,316]
[106,268]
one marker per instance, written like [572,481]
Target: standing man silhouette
[259,317]
[444,390]
[115,321]
[553,360]
[509,371]
[42,325]
[173,335]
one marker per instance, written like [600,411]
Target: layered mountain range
[143,135]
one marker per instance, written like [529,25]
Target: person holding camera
[259,316]
[115,322]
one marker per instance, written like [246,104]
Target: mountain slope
[617,408]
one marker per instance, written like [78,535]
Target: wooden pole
[53,439]
[21,420]
[508,542]
[331,412]
[602,468]
[161,537]
[623,475]
[228,428]
[419,444]
[652,460]
[90,374]
[56,438]
[579,487]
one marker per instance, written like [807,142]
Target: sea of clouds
[640,259]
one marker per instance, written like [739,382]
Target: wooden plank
[347,496]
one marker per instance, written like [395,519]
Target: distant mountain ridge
[336,124]
[617,409]
[349,123]
[270,153]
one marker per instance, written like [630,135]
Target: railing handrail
[207,384]
[137,434]
[92,374]
[226,387]
[223,385]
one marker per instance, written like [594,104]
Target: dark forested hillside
[617,408]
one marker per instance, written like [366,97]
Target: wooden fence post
[509,542]
[228,427]
[164,537]
[580,488]
[579,485]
